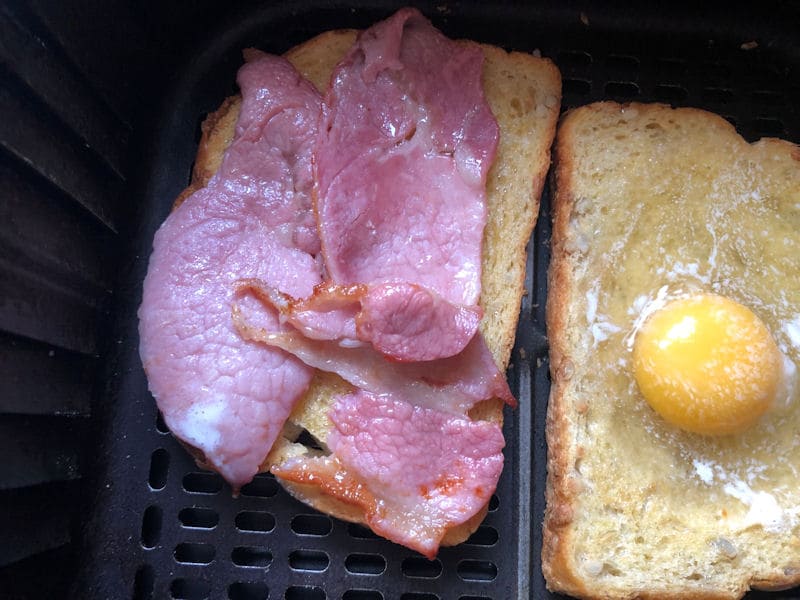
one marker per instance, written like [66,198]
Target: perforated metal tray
[160,528]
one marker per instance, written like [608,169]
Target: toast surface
[524,93]
[653,201]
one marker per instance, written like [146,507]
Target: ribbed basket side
[63,148]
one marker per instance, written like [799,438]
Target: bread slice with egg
[654,203]
[524,93]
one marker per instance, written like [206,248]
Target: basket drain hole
[194,553]
[717,95]
[304,593]
[622,64]
[365,564]
[262,486]
[159,466]
[671,69]
[151,526]
[309,560]
[416,566]
[189,589]
[248,591]
[484,536]
[673,94]
[255,520]
[477,570]
[715,72]
[361,532]
[579,87]
[573,59]
[768,98]
[362,595]
[143,583]
[621,89]
[202,483]
[312,525]
[200,518]
[416,596]
[251,556]
[161,425]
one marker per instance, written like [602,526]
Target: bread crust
[557,567]
[563,488]
[538,83]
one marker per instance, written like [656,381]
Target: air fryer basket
[102,103]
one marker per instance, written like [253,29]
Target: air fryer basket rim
[157,526]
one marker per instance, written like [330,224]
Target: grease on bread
[648,198]
[524,93]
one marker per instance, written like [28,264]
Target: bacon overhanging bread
[363,209]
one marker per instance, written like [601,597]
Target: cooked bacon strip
[415,472]
[452,384]
[223,395]
[404,149]
[402,321]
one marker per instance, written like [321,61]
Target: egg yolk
[707,364]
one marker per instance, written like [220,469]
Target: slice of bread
[652,201]
[524,93]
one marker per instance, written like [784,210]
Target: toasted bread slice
[524,93]
[652,201]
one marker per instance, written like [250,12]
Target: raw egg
[707,364]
